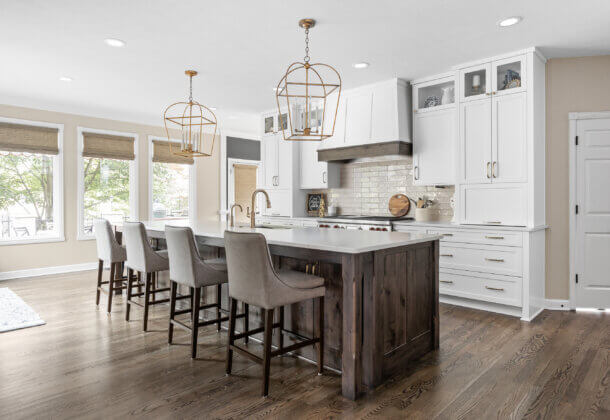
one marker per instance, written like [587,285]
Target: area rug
[15,313]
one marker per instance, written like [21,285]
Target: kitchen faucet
[241,209]
[252,213]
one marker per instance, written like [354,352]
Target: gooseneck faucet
[252,212]
[241,209]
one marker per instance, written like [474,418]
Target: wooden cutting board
[399,205]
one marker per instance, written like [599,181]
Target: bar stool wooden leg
[232,313]
[146,299]
[267,350]
[139,282]
[129,291]
[196,291]
[111,286]
[218,298]
[281,336]
[246,321]
[320,344]
[172,309]
[100,270]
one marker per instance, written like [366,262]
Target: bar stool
[141,257]
[252,279]
[187,268]
[108,250]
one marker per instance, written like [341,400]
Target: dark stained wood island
[381,305]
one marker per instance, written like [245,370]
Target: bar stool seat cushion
[300,280]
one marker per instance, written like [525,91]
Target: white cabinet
[315,174]
[276,161]
[358,116]
[434,132]
[338,137]
[475,141]
[493,204]
[475,82]
[509,138]
[280,203]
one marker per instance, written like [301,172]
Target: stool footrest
[246,353]
[295,346]
[134,302]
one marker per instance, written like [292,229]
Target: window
[107,181]
[172,179]
[30,182]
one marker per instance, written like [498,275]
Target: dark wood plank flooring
[84,363]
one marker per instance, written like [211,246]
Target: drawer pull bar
[493,237]
[446,281]
[494,259]
[447,234]
[493,222]
[446,255]
[498,289]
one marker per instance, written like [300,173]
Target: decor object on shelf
[322,209]
[476,84]
[425,210]
[196,123]
[313,203]
[309,97]
[512,79]
[448,95]
[331,211]
[432,101]
[399,205]
[15,313]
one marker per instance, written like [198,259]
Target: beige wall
[71,251]
[573,85]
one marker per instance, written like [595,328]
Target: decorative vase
[447,97]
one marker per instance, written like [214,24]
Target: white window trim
[133,179]
[192,181]
[58,186]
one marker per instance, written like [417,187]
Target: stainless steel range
[374,223]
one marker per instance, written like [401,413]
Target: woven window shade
[162,154]
[28,138]
[107,146]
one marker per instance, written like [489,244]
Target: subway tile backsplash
[366,188]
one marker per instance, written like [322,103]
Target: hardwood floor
[84,363]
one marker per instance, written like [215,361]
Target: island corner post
[381,307]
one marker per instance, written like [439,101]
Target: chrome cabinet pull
[446,281]
[494,167]
[487,172]
[497,289]
[446,255]
[494,259]
[493,237]
[324,177]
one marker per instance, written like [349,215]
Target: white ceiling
[241,47]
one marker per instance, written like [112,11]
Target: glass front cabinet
[499,77]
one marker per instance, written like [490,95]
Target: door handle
[416,173]
[494,167]
[487,170]
[324,177]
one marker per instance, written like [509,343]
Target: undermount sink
[273,227]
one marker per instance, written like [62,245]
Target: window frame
[80,195]
[192,180]
[58,186]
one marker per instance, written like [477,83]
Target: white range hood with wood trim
[372,120]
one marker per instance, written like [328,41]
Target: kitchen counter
[454,225]
[381,302]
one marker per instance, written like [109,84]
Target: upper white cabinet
[315,174]
[434,131]
[369,114]
[502,140]
[338,137]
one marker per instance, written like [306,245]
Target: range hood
[372,121]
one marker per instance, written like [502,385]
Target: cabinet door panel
[493,205]
[383,114]
[509,149]
[313,173]
[284,162]
[358,119]
[475,141]
[270,160]
[433,146]
[338,137]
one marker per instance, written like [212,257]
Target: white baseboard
[44,271]
[557,304]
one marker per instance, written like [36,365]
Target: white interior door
[592,253]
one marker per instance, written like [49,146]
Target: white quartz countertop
[333,240]
[452,225]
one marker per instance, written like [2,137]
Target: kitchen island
[381,303]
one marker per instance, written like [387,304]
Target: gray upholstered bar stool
[141,257]
[252,279]
[110,251]
[187,268]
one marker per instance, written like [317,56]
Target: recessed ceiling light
[113,42]
[66,79]
[510,21]
[361,65]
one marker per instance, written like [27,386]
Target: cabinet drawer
[487,237]
[490,259]
[490,288]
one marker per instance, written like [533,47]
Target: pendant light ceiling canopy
[309,95]
[196,122]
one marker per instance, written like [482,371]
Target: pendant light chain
[191,89]
[306,58]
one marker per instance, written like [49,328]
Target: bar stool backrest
[139,251]
[108,248]
[183,255]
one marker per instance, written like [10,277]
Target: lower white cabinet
[493,204]
[315,174]
[497,270]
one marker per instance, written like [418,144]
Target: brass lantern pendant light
[196,122]
[309,93]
